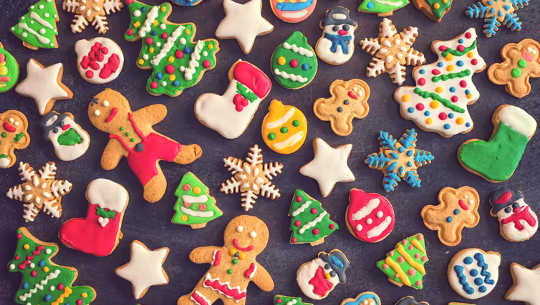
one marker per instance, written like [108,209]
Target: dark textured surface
[150,223]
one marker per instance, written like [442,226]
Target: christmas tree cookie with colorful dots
[9,70]
[310,223]
[194,207]
[285,300]
[44,282]
[438,103]
[381,7]
[177,62]
[405,264]
[496,13]
[434,9]
[37,28]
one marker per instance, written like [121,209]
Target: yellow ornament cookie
[284,128]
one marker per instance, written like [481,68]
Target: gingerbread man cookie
[458,209]
[13,135]
[132,136]
[348,101]
[521,62]
[233,266]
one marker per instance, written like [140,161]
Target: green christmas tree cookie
[194,207]
[177,62]
[294,63]
[285,300]
[9,70]
[310,223]
[44,282]
[37,28]
[381,7]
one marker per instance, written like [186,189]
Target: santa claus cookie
[370,216]
[318,277]
[13,135]
[99,233]
[336,45]
[284,128]
[232,266]
[99,60]
[517,221]
[69,139]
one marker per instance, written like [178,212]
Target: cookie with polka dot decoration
[37,28]
[284,128]
[434,9]
[370,217]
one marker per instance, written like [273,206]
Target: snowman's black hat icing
[338,15]
[51,121]
[338,262]
[503,197]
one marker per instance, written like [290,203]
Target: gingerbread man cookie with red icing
[13,135]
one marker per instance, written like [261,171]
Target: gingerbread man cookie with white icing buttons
[13,136]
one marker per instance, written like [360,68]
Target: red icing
[110,67]
[521,214]
[420,107]
[206,63]
[233,293]
[149,40]
[454,98]
[527,56]
[8,127]
[315,231]
[217,258]
[89,74]
[421,81]
[463,205]
[130,32]
[443,48]
[443,116]
[321,286]
[460,48]
[359,199]
[504,198]
[435,72]
[112,115]
[462,84]
[164,35]
[179,54]
[153,85]
[250,271]
[199,298]
[468,35]
[169,69]
[297,223]
[331,226]
[293,63]
[4,79]
[245,249]
[253,78]
[474,61]
[352,95]
[240,102]
[313,211]
[94,59]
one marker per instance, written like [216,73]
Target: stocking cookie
[230,114]
[37,28]
[69,139]
[91,11]
[232,266]
[496,13]
[284,128]
[525,288]
[9,70]
[434,9]
[336,45]
[39,191]
[457,209]
[132,136]
[99,233]
[381,7]
[293,11]
[521,62]
[13,136]
[99,60]
[497,159]
[473,273]
[517,221]
[364,298]
[370,217]
[348,101]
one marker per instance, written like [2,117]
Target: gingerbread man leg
[200,296]
[188,154]
[155,188]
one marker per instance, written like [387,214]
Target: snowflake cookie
[496,13]
[91,11]
[251,178]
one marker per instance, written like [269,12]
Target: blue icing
[336,261]
[463,279]
[293,6]
[370,5]
[479,257]
[363,297]
[473,272]
[185,2]
[468,260]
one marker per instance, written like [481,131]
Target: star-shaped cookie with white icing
[526,286]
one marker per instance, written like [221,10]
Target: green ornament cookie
[294,63]
[381,7]
[37,28]
[9,70]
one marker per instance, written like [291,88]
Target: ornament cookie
[525,287]
[457,209]
[230,114]
[392,51]
[168,49]
[348,101]
[39,191]
[364,298]
[405,264]
[318,277]
[13,136]
[284,128]
[145,268]
[496,13]
[517,221]
[293,11]
[381,7]
[186,2]
[438,103]
[69,139]
[399,160]
[251,178]
[285,300]
[94,12]
[496,160]
[329,165]
[434,9]
[310,223]
[243,22]
[294,63]
[336,45]
[195,206]
[410,300]
[473,273]
[100,231]
[232,266]
[521,62]
[43,281]
[44,85]
[37,28]
[370,217]
[9,70]
[131,135]
[99,60]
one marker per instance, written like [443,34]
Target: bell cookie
[517,221]
[9,70]
[496,13]
[364,298]
[381,7]
[348,101]
[370,217]
[293,11]
[37,28]
[434,9]
[410,300]
[13,136]
[99,60]
[336,45]
[284,128]
[69,139]
[91,12]
[525,287]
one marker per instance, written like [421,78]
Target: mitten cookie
[13,136]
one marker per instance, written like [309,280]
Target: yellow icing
[279,131]
[395,266]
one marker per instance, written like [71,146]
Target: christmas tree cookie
[310,223]
[434,9]
[44,282]
[405,264]
[37,28]
[285,300]
[194,206]
[177,62]
[381,7]
[9,70]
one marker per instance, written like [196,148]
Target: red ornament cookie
[99,60]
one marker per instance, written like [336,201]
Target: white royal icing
[306,272]
[147,25]
[83,46]
[297,49]
[107,194]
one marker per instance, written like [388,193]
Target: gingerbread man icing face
[107,111]
[13,135]
[250,237]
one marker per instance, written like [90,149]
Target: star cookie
[526,286]
[497,12]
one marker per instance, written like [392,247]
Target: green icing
[302,212]
[189,213]
[105,213]
[516,72]
[70,138]
[3,156]
[498,158]
[245,92]
[522,63]
[18,137]
[444,77]
[459,53]
[58,279]
[37,28]
[9,70]
[167,75]
[284,300]
[440,99]
[443,6]
[306,69]
[381,6]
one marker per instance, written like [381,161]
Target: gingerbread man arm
[202,255]
[151,114]
[111,155]
[263,279]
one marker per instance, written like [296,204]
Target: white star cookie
[244,23]
[526,286]
[329,165]
[145,269]
[44,85]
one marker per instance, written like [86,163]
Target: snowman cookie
[336,45]
[99,60]
[284,128]
[13,136]
[517,221]
[370,216]
[69,139]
